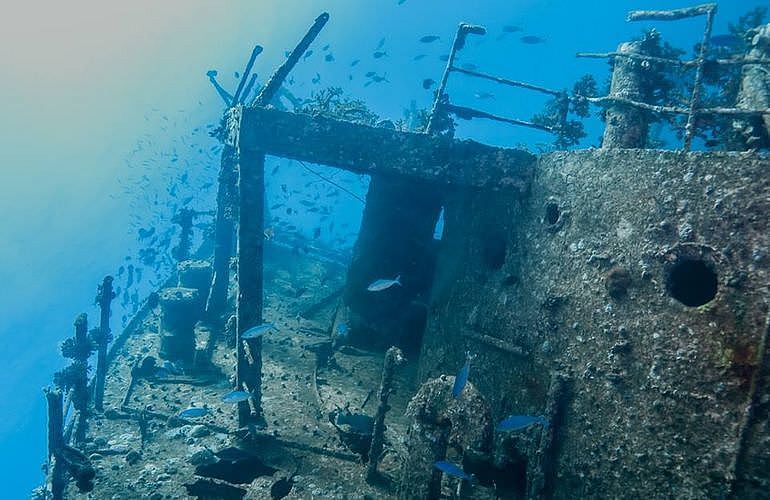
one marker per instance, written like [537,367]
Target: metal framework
[693,110]
[441,101]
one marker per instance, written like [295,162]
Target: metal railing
[441,102]
[693,110]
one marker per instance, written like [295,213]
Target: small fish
[236,75]
[342,330]
[317,79]
[429,38]
[419,56]
[453,470]
[401,2]
[462,376]
[469,66]
[325,47]
[516,422]
[308,54]
[257,331]
[428,83]
[444,58]
[194,412]
[511,28]
[532,39]
[329,57]
[484,95]
[354,62]
[379,54]
[383,284]
[370,74]
[235,397]
[380,44]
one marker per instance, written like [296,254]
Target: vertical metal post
[80,389]
[251,196]
[223,232]
[393,357]
[689,129]
[104,297]
[53,399]
[251,188]
[459,42]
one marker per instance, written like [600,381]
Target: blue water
[95,97]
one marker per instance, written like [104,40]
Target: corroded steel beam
[387,152]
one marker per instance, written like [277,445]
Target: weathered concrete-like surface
[381,151]
[579,278]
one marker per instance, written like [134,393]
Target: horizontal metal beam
[674,110]
[384,151]
[469,113]
[505,81]
[671,15]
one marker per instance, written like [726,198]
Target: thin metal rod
[459,42]
[676,110]
[505,81]
[326,179]
[275,82]
[679,62]
[225,95]
[247,91]
[469,113]
[246,72]
[689,128]
[671,15]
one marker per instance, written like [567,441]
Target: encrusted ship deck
[142,449]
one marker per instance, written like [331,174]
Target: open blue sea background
[105,110]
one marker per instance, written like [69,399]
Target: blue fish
[235,397]
[453,470]
[194,412]
[516,422]
[257,331]
[462,376]
[342,330]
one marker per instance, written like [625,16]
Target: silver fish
[257,331]
[384,284]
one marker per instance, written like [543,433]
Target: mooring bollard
[102,338]
[196,274]
[179,311]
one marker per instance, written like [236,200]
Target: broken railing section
[623,97]
[102,337]
[73,380]
[440,123]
